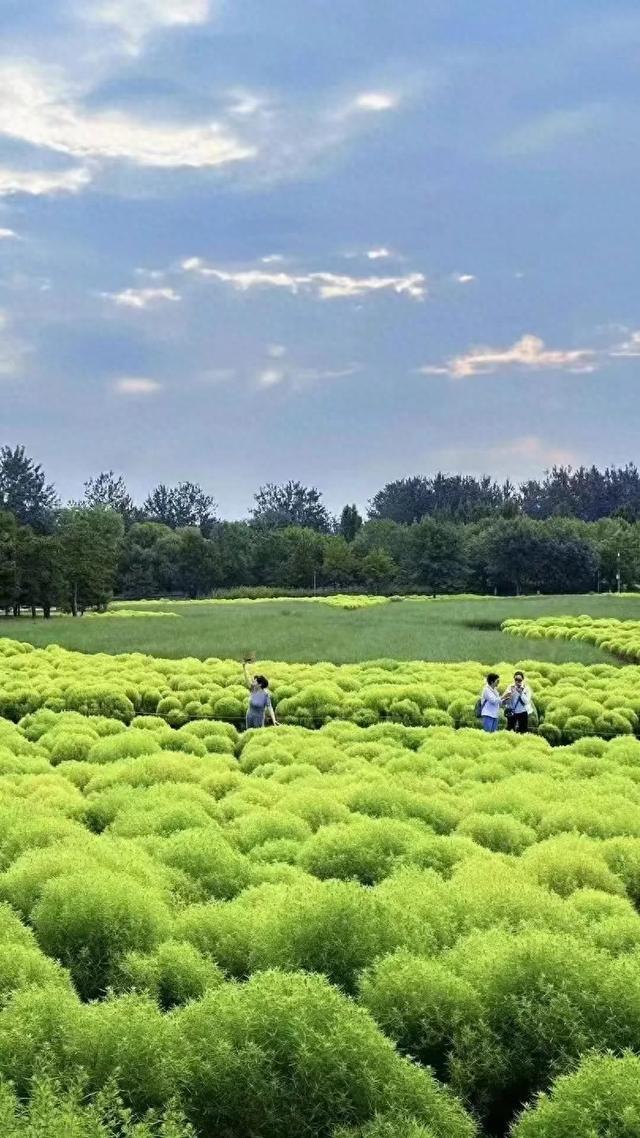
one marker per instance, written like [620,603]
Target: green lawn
[294,631]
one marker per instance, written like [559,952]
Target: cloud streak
[142,298]
[136,385]
[529,353]
[323,285]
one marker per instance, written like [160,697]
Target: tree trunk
[33,612]
[74,600]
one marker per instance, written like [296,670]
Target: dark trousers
[519,723]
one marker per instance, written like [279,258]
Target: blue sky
[244,242]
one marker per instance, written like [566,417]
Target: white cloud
[136,385]
[326,286]
[271,376]
[37,107]
[378,254]
[41,182]
[141,298]
[375,101]
[273,259]
[530,353]
[276,351]
[629,349]
[8,235]
[136,19]
[465,278]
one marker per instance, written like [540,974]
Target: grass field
[297,632]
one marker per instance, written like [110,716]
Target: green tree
[90,543]
[108,490]
[438,556]
[39,572]
[350,523]
[180,507]
[278,507]
[198,564]
[24,491]
[8,560]
[379,570]
[339,563]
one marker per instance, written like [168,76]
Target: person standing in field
[490,703]
[260,703]
[518,704]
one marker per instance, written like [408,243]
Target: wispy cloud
[136,19]
[628,349]
[324,285]
[141,298]
[380,254]
[554,130]
[39,183]
[522,456]
[136,385]
[464,278]
[529,353]
[39,108]
[8,235]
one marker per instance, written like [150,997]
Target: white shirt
[490,702]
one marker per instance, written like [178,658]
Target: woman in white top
[490,703]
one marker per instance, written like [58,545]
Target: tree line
[573,531]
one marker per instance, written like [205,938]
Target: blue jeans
[489,724]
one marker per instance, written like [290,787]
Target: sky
[246,241]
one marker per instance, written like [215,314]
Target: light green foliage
[573,700]
[601,1098]
[289,1055]
[266,926]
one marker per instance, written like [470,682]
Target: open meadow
[447,629]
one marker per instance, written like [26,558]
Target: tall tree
[438,555]
[405,501]
[39,573]
[108,491]
[180,507]
[90,542]
[8,560]
[24,490]
[350,523]
[292,504]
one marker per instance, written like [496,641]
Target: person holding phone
[260,702]
[518,704]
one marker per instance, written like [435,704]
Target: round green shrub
[602,1098]
[128,745]
[498,832]
[174,974]
[207,858]
[89,921]
[287,1054]
[569,862]
[545,1000]
[366,850]
[420,1004]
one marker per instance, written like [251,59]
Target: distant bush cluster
[620,637]
[383,932]
[572,700]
